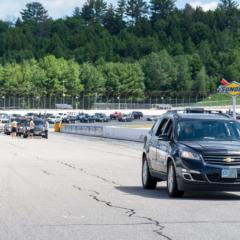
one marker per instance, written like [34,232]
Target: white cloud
[205,5]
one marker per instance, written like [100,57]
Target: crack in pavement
[46,172]
[89,174]
[200,222]
[90,224]
[128,211]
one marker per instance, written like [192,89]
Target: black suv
[193,150]
[137,115]
[39,129]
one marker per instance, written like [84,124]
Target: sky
[9,9]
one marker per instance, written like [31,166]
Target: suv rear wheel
[172,186]
[148,181]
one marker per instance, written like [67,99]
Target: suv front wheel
[148,181]
[172,186]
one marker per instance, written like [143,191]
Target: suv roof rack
[199,110]
[195,110]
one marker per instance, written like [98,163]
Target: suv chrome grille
[222,159]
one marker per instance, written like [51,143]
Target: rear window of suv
[38,123]
[208,130]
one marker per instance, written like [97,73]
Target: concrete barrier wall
[123,133]
[113,132]
[83,130]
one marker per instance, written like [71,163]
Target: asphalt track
[83,188]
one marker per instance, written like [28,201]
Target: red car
[116,115]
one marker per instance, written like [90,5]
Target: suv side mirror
[163,137]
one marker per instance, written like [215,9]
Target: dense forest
[133,47]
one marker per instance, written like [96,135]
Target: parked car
[30,115]
[87,119]
[65,118]
[53,119]
[22,124]
[14,116]
[192,151]
[137,115]
[2,127]
[230,113]
[152,118]
[80,116]
[101,117]
[115,115]
[72,118]
[4,118]
[39,129]
[7,128]
[126,118]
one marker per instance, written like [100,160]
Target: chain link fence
[123,101]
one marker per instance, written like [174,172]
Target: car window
[38,123]
[155,126]
[161,127]
[168,128]
[200,130]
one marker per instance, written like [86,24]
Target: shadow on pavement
[161,193]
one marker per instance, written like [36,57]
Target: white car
[4,118]
[54,119]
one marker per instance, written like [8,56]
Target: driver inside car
[187,132]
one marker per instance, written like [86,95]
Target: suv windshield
[212,130]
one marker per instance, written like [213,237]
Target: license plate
[229,173]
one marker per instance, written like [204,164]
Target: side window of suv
[155,126]
[169,128]
[161,127]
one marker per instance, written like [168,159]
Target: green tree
[195,64]
[77,12]
[121,9]
[183,80]
[136,9]
[88,11]
[110,20]
[94,10]
[160,71]
[56,46]
[199,84]
[124,79]
[37,77]
[161,8]
[227,5]
[58,76]
[91,78]
[34,12]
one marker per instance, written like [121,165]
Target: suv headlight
[189,155]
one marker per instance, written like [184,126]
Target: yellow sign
[232,89]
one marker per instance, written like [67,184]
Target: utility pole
[4,103]
[63,94]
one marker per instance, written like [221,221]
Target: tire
[172,185]
[148,181]
[25,135]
